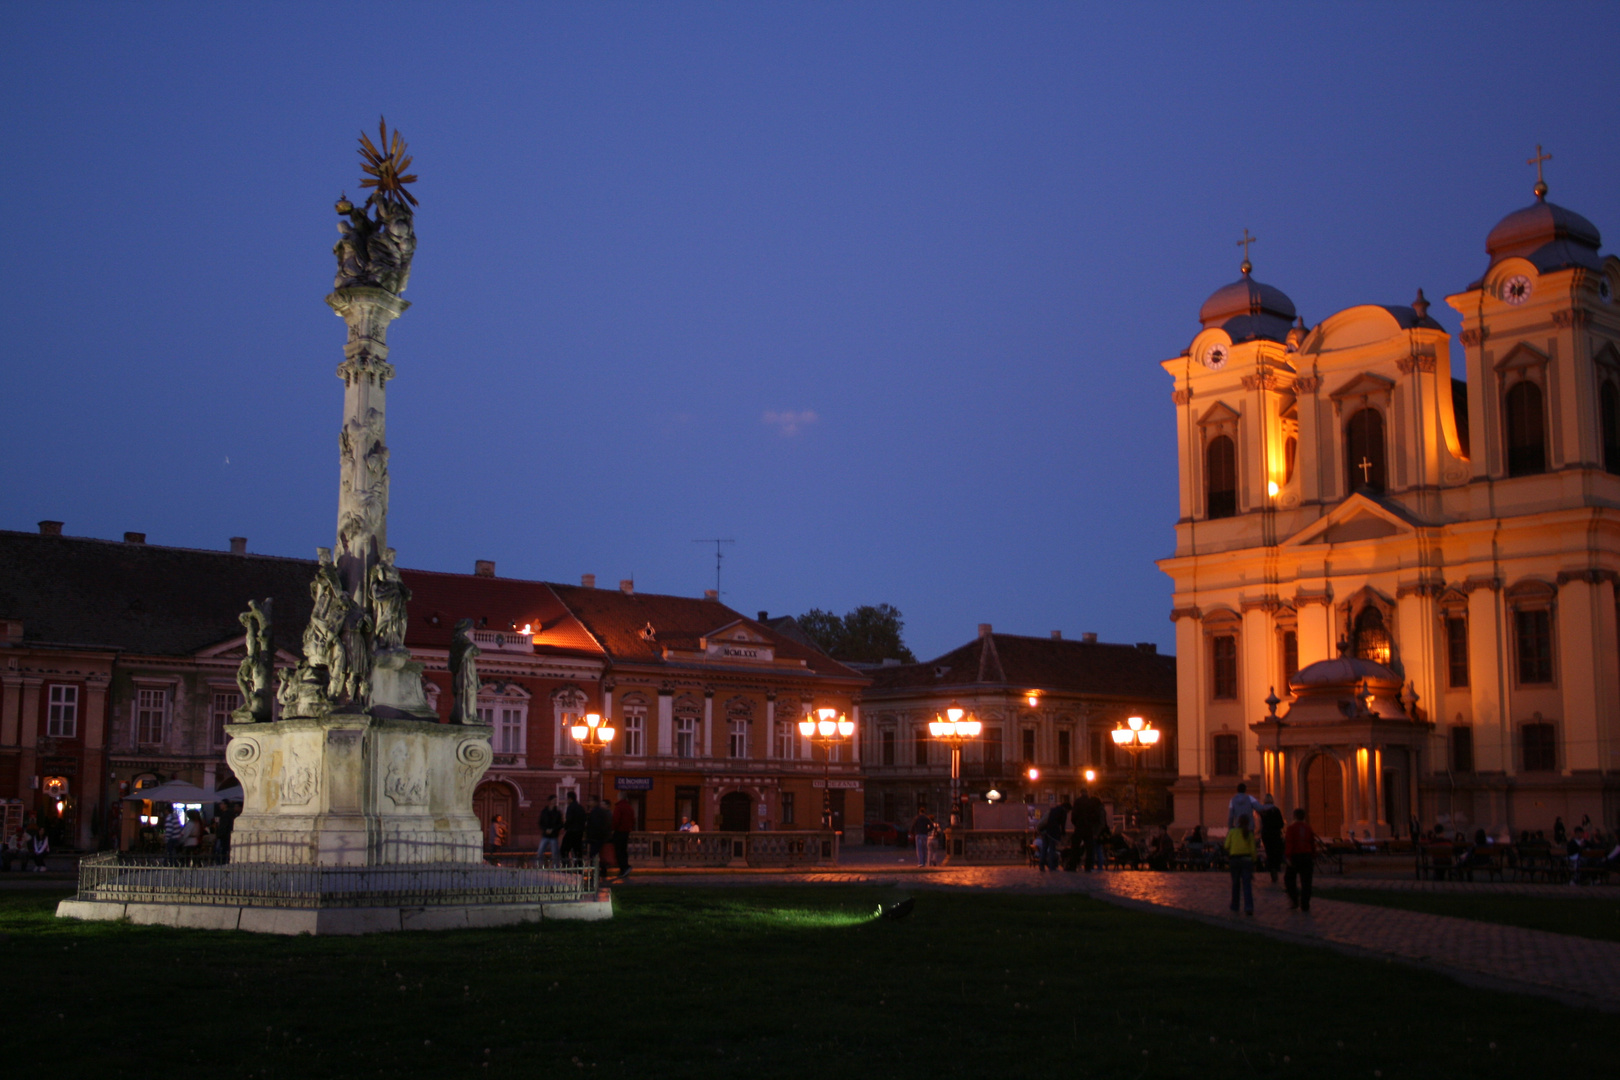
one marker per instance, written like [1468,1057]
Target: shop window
[1364,451]
[1526,440]
[62,715]
[1540,747]
[1457,652]
[151,711]
[1462,749]
[225,703]
[1220,478]
[1533,634]
[1228,756]
[1223,648]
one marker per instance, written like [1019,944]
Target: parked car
[881,832]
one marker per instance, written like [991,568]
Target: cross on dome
[1541,185]
[1247,240]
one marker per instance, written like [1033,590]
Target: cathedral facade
[1395,591]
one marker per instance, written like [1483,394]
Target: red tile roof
[491,603]
[1032,663]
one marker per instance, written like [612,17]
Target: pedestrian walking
[173,826]
[598,831]
[573,834]
[624,823]
[1271,835]
[1242,805]
[1240,861]
[1088,826]
[922,834]
[551,827]
[1299,848]
[191,836]
[1050,834]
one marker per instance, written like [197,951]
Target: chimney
[711,594]
[1089,638]
[50,528]
[984,629]
[588,580]
[1147,647]
[764,615]
[484,568]
[134,538]
[627,586]
[238,545]
[1057,635]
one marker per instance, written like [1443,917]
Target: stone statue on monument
[377,251]
[253,675]
[464,674]
[389,596]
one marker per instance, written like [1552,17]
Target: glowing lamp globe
[1150,737]
[807,727]
[846,727]
[1122,736]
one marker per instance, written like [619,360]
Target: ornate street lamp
[593,737]
[954,728]
[1135,736]
[827,728]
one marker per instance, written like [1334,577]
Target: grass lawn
[759,982]
[1590,916]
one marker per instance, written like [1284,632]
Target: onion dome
[1550,236]
[1340,672]
[1248,309]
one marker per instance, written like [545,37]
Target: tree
[869,634]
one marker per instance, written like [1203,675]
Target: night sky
[878,291]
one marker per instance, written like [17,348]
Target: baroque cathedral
[1396,591]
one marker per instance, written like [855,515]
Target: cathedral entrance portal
[1324,795]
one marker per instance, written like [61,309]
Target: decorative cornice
[1420,588]
[1308,384]
[1570,317]
[1268,604]
[1181,397]
[1190,612]
[1590,577]
[1304,597]
[1424,362]
[1264,380]
[1472,337]
[1475,583]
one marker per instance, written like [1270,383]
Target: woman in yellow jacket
[1240,860]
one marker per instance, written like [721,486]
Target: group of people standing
[593,836]
[1290,848]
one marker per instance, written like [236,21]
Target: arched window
[1290,454]
[1364,451]
[1526,441]
[1609,410]
[1220,478]
[1372,639]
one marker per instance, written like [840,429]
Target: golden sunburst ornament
[386,171]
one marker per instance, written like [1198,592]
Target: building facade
[1047,705]
[1339,488]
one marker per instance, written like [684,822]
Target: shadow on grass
[759,982]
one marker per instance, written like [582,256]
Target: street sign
[632,783]
[847,785]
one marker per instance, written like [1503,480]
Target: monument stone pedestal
[354,790]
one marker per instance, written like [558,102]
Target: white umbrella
[233,793]
[171,791]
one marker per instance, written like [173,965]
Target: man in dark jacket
[1088,825]
[624,823]
[598,830]
[573,836]
[551,827]
[1271,835]
[1051,831]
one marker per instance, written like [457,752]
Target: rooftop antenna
[718,555]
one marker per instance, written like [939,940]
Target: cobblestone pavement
[1575,970]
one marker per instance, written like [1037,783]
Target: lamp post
[827,728]
[954,728]
[1135,735]
[593,737]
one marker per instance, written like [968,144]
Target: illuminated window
[1540,747]
[1457,652]
[1220,478]
[62,717]
[151,710]
[1228,759]
[1223,649]
[1526,441]
[1533,633]
[1372,639]
[225,703]
[1364,451]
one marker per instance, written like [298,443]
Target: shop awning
[172,791]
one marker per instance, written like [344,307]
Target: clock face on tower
[1215,357]
[1516,289]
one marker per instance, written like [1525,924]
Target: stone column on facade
[1580,662]
[1259,655]
[1488,680]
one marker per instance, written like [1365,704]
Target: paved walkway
[1576,970]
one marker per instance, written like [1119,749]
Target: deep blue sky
[962,236]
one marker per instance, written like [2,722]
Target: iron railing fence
[122,878]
